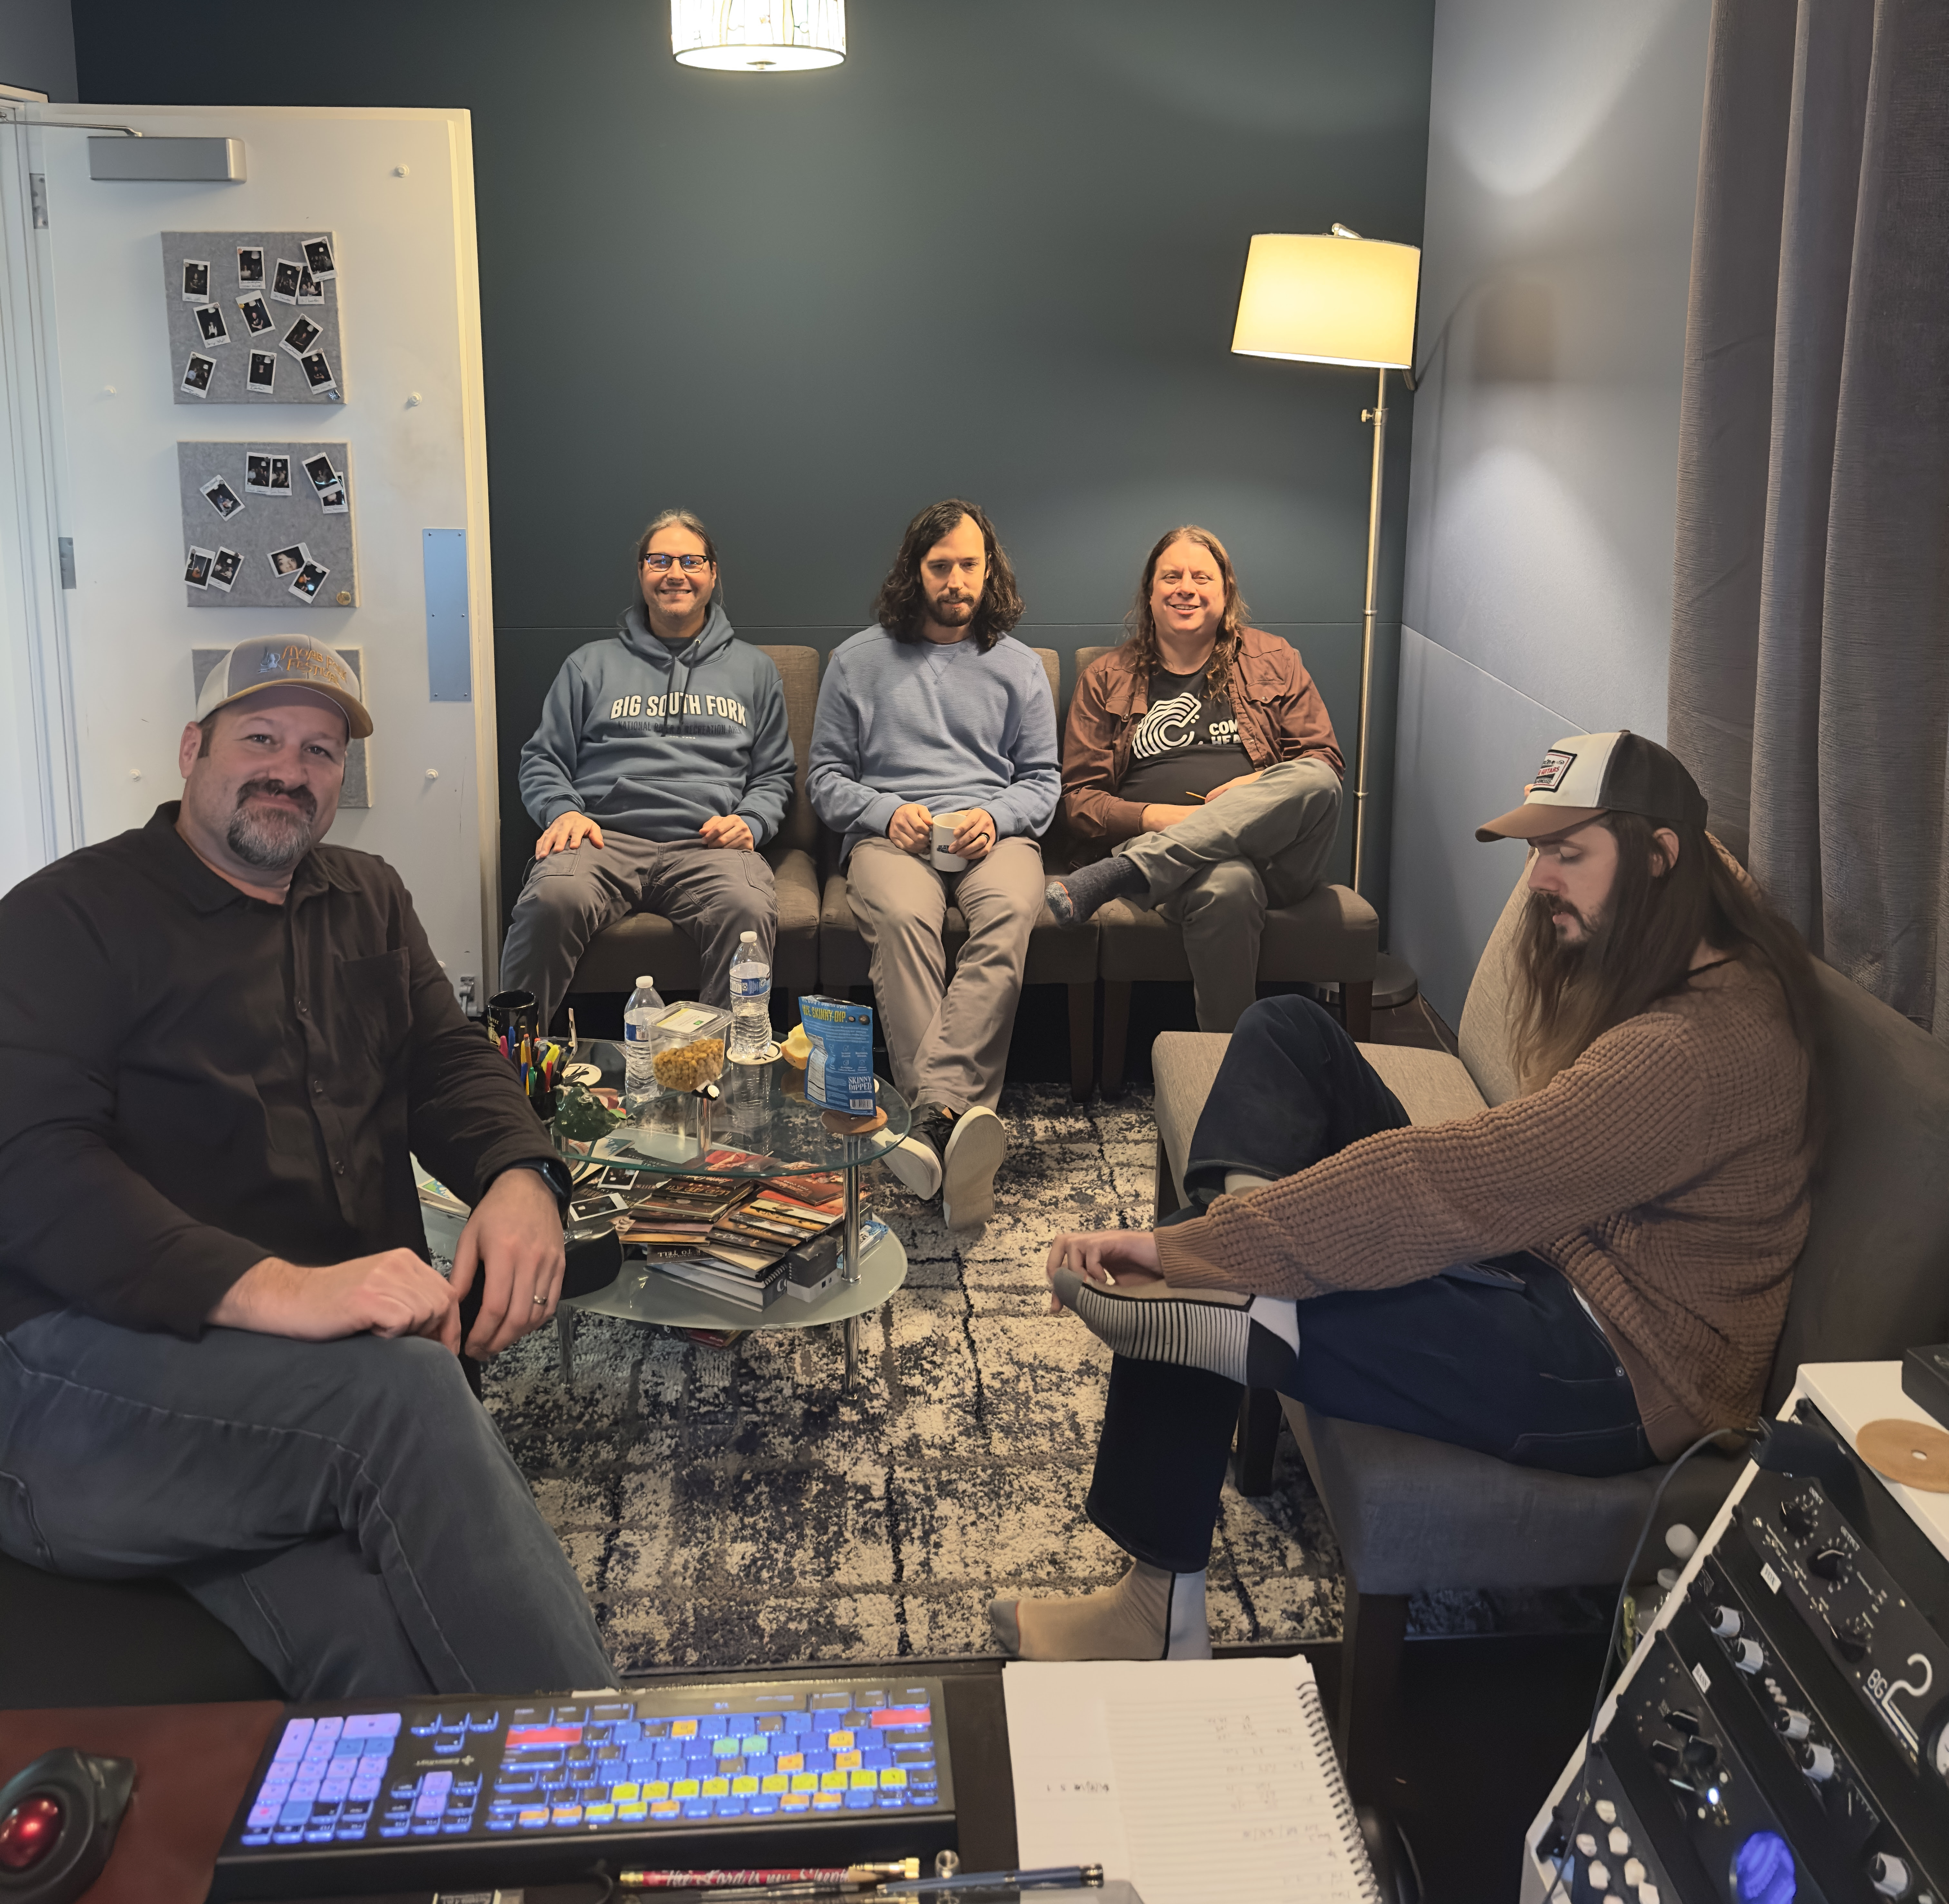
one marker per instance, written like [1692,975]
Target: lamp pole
[1378,417]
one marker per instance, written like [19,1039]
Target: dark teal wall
[996,254]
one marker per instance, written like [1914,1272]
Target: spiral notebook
[1199,1781]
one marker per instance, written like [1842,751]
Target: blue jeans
[1499,1357]
[347,1508]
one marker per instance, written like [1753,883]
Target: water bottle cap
[748,938]
[645,982]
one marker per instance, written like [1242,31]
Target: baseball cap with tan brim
[1585,775]
[284,661]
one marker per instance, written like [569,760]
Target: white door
[100,627]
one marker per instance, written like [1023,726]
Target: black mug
[513,1017]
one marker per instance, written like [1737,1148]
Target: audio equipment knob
[1791,1725]
[1748,1655]
[1665,1754]
[1830,1564]
[1599,1875]
[1851,1637]
[1681,1720]
[1724,1622]
[1587,1845]
[1700,1754]
[1634,1871]
[1647,1894]
[1607,1812]
[1619,1842]
[1797,1517]
[1888,1874]
[1817,1762]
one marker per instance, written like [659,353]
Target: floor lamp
[1336,298]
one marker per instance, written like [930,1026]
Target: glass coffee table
[760,1109]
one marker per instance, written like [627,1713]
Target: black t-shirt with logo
[1187,742]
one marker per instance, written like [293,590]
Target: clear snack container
[687,1046]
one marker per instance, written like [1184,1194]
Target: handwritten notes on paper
[1192,1779]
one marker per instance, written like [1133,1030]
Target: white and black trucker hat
[284,661]
[1584,775]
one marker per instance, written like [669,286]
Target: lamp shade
[1322,299]
[758,35]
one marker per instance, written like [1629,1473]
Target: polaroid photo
[318,374]
[249,268]
[196,282]
[263,377]
[318,256]
[288,561]
[310,291]
[198,373]
[319,469]
[306,582]
[223,570]
[284,280]
[333,502]
[593,1208]
[301,337]
[196,571]
[257,314]
[257,472]
[281,477]
[209,321]
[222,498]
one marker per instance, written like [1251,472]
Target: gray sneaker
[974,1153]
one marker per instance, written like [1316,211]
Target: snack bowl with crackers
[687,1046]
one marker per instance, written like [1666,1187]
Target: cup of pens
[513,1023]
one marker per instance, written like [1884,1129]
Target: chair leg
[1082,1039]
[1163,1198]
[1370,1662]
[1258,1440]
[1116,1033]
[1356,1009]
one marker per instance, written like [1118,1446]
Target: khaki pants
[948,1041]
[1214,873]
[709,893]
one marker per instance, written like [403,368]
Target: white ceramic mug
[946,825]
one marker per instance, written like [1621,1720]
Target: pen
[1090,1874]
[1198,797]
[766,1880]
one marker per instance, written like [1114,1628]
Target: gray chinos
[948,1041]
[1214,873]
[711,894]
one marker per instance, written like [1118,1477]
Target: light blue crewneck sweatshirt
[943,724]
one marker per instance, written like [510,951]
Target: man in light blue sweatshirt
[662,763]
[937,714]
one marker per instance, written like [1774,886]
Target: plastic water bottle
[644,1008]
[750,1000]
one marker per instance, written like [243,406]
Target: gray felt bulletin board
[251,320]
[266,525]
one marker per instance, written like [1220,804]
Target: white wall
[37,46]
[1563,153]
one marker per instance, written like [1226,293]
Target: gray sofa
[1412,1515]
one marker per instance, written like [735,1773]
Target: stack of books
[755,1249]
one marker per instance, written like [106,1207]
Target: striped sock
[1195,1331]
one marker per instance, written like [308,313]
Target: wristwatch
[552,1169]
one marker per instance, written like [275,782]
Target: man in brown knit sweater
[1585,1278]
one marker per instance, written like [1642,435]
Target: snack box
[687,1046]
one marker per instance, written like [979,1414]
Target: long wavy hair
[1641,951]
[1141,645]
[901,606]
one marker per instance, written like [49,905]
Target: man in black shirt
[223,1354]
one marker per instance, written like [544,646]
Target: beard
[272,839]
[954,611]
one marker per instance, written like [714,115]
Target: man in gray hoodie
[663,762]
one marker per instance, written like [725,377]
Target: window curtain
[1809,685]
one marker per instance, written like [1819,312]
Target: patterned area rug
[729,1508]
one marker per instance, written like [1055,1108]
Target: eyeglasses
[690,564]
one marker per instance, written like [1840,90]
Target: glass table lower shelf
[638,1297]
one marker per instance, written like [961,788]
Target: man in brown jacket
[1585,1278]
[1201,753]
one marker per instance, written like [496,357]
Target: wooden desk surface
[191,1765]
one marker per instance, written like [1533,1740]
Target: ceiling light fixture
[758,35]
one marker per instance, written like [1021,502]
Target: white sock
[1237,1182]
[1280,1314]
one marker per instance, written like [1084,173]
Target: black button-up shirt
[195,1080]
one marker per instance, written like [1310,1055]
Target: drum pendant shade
[758,35]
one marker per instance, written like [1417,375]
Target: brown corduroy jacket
[1280,714]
